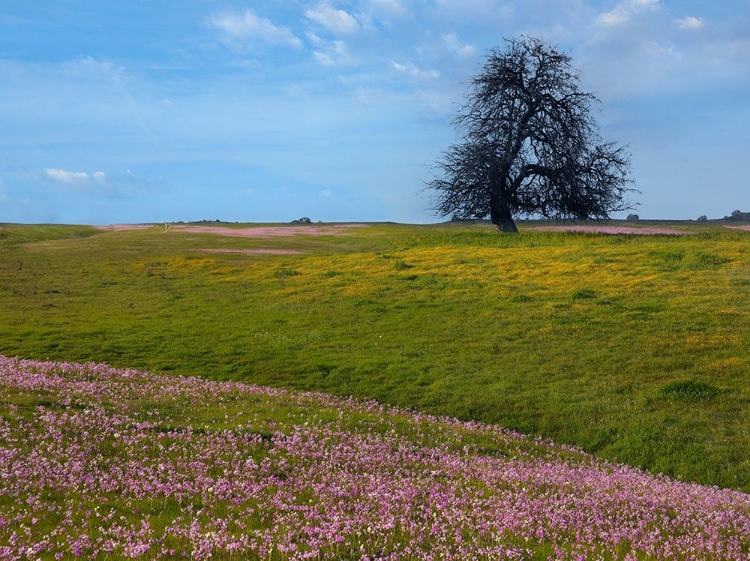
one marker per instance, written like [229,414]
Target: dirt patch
[614,230]
[121,227]
[270,231]
[746,227]
[256,251]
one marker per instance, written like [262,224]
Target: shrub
[703,218]
[633,217]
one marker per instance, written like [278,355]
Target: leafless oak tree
[529,145]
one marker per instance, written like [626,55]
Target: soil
[270,231]
[256,251]
[121,227]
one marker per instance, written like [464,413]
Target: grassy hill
[635,348]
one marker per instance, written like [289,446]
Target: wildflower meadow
[106,463]
[635,348]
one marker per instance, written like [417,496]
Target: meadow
[632,348]
[100,463]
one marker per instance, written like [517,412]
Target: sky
[270,110]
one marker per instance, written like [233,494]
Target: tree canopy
[530,145]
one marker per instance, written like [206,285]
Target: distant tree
[738,215]
[529,145]
[633,217]
[703,218]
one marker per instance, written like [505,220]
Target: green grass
[634,348]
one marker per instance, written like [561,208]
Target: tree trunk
[503,221]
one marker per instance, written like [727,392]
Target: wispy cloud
[248,27]
[89,68]
[655,49]
[690,23]
[79,179]
[330,53]
[67,177]
[336,21]
[456,47]
[624,11]
[414,71]
[100,183]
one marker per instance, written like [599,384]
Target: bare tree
[529,145]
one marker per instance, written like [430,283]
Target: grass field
[635,348]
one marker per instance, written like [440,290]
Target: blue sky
[151,111]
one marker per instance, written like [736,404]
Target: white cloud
[325,193]
[618,15]
[314,39]
[330,53]
[336,21]
[690,23]
[622,12]
[67,177]
[100,176]
[249,27]
[454,45]
[414,71]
